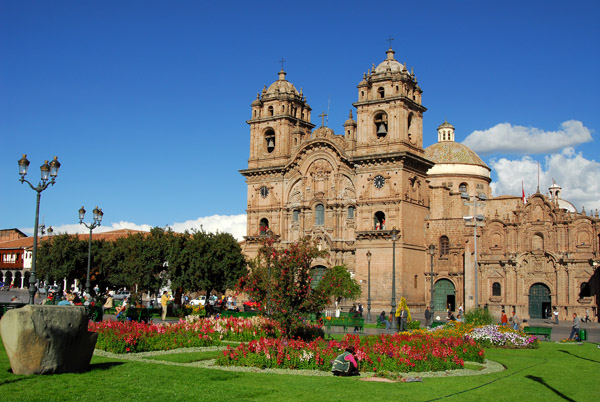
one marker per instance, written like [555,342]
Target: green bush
[478,317]
[414,324]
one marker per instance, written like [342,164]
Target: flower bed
[397,353]
[132,337]
[487,336]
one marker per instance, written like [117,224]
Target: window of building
[270,110]
[381,124]
[416,281]
[351,211]
[263,226]
[585,290]
[296,215]
[320,215]
[496,289]
[463,187]
[379,221]
[381,92]
[444,246]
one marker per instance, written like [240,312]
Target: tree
[339,284]
[281,280]
[62,256]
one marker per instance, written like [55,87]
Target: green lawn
[552,373]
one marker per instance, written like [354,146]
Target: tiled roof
[27,242]
[453,152]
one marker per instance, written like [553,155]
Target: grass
[554,372]
[187,357]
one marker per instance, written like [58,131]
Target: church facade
[405,220]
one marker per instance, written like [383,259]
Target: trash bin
[582,335]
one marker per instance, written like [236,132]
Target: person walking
[503,319]
[575,327]
[515,321]
[555,315]
[164,300]
[587,315]
[428,315]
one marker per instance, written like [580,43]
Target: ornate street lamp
[97,219]
[432,253]
[369,287]
[394,238]
[47,170]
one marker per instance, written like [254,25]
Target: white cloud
[506,138]
[234,224]
[579,177]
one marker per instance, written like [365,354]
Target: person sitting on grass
[345,365]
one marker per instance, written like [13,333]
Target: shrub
[415,324]
[308,333]
[478,317]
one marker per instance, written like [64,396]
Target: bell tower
[389,110]
[280,120]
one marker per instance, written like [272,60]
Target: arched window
[463,187]
[270,110]
[270,140]
[381,92]
[410,119]
[296,215]
[496,289]
[263,226]
[351,211]
[381,124]
[320,215]
[379,221]
[444,246]
[416,281]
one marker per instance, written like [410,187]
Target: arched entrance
[539,300]
[18,282]
[445,295]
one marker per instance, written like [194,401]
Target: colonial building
[377,200]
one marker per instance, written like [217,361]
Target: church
[408,221]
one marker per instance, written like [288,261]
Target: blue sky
[145,102]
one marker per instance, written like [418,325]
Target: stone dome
[450,152]
[282,86]
[389,64]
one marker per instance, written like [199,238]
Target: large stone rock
[47,339]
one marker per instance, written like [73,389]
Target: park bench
[136,314]
[380,324]
[537,331]
[4,307]
[344,322]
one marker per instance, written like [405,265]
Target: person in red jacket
[503,319]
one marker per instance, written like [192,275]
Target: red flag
[523,196]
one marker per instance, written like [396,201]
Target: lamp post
[369,287]
[96,222]
[47,171]
[432,253]
[394,238]
[475,218]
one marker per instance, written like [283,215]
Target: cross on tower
[322,116]
[282,61]
[390,39]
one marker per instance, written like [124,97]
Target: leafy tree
[403,304]
[62,256]
[288,295]
[339,284]
[139,259]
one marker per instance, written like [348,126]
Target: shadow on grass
[579,357]
[104,366]
[4,382]
[557,392]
